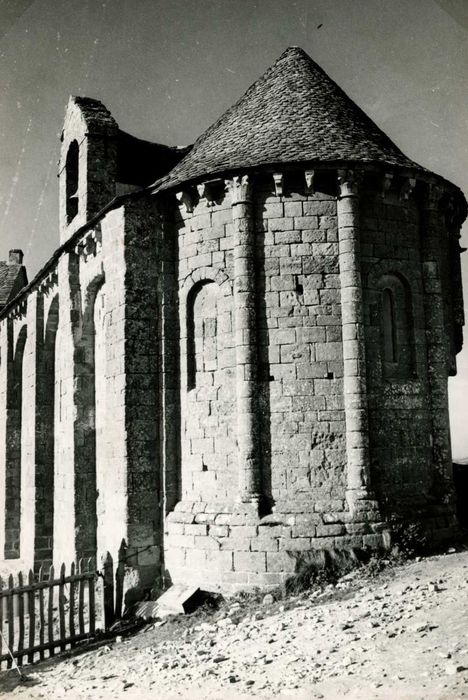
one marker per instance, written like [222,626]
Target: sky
[167,69]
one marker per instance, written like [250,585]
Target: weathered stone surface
[216,381]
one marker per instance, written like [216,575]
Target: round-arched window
[397,328]
[71,171]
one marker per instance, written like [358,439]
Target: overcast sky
[168,68]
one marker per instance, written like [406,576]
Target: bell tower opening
[71,168]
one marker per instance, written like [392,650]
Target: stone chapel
[240,351]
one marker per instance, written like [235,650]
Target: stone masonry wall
[225,544]
[207,362]
[399,406]
[299,335]
[300,353]
[4,374]
[14,332]
[29,435]
[107,452]
[64,507]
[123,378]
[95,132]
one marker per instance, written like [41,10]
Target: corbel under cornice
[48,282]
[211,190]
[278,181]
[387,179]
[407,187]
[309,176]
[185,197]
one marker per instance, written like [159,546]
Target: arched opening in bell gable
[71,174]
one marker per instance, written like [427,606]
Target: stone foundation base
[230,548]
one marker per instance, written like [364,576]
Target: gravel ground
[403,635]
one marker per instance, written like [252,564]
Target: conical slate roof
[294,112]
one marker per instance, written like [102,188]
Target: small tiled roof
[12,279]
[294,113]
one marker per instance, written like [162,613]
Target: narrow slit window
[389,327]
[397,328]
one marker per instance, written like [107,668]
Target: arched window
[202,331]
[71,169]
[390,350]
[397,331]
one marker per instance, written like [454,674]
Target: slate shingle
[12,279]
[294,113]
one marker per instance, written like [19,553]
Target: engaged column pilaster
[438,346]
[358,492]
[245,339]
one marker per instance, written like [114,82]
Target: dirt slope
[401,636]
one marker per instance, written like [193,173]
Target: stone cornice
[18,310]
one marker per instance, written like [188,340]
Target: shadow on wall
[265,377]
[460,479]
